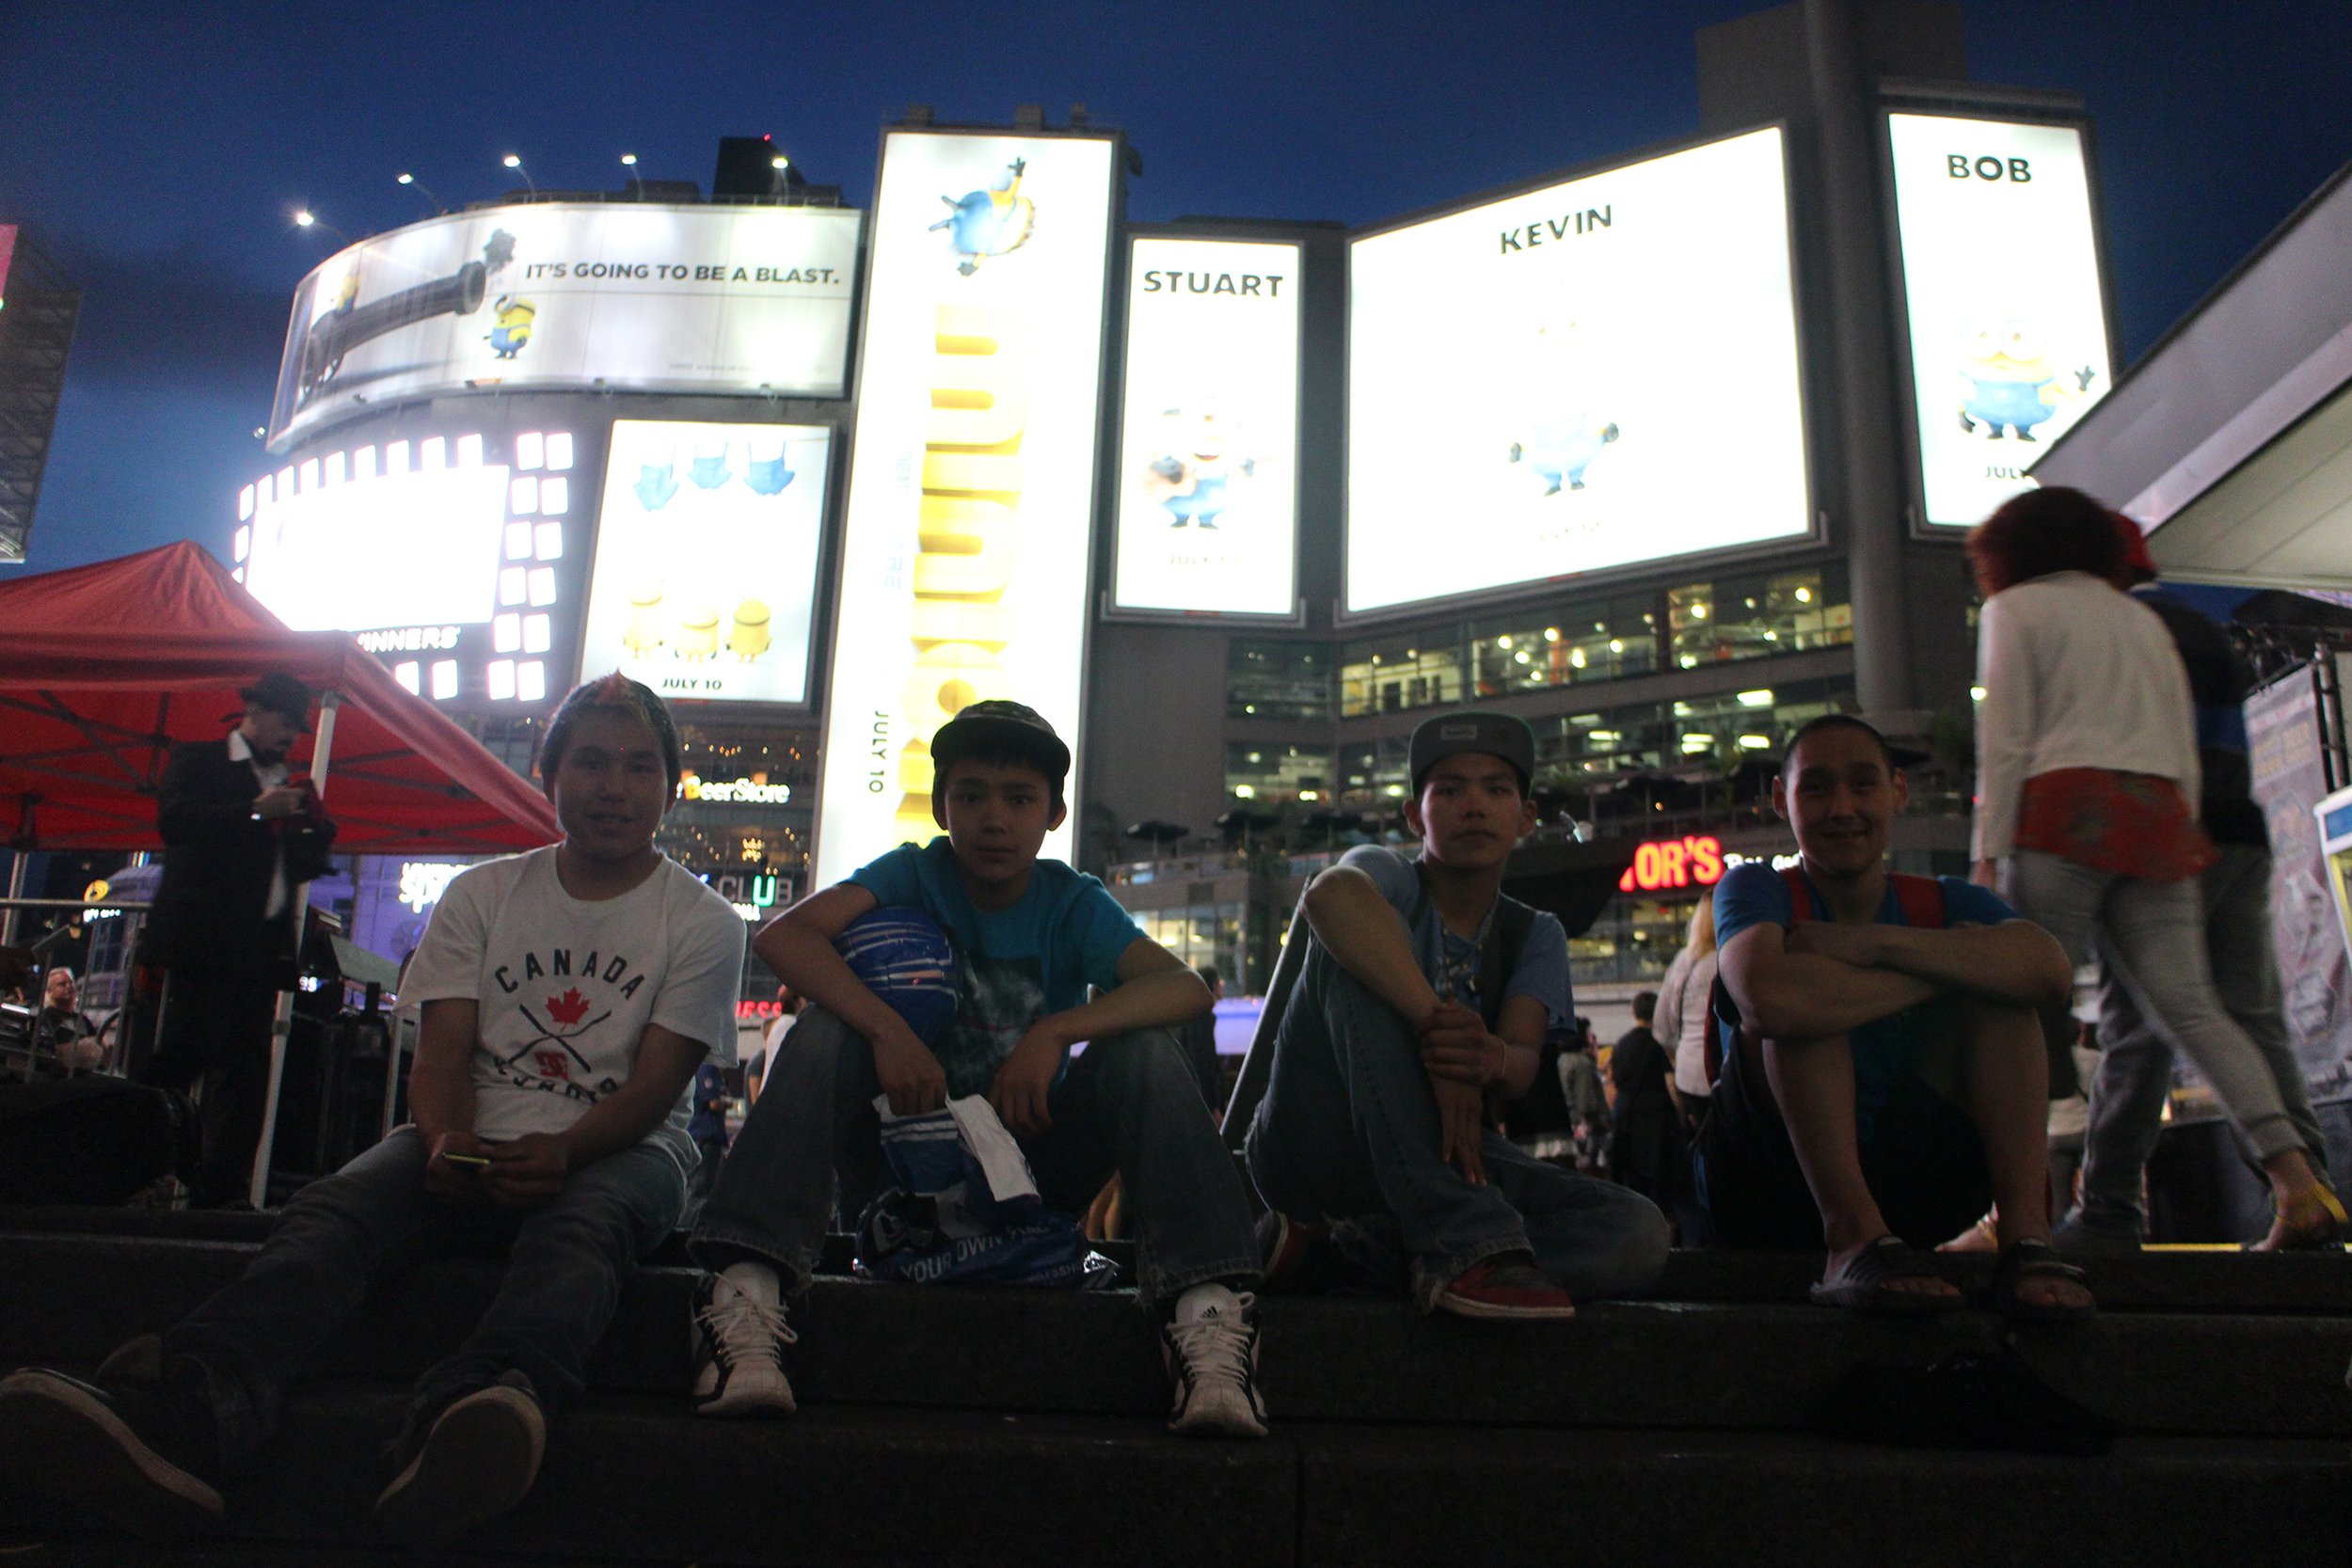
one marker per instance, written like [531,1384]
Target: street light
[305,218]
[514,161]
[411,180]
[630,159]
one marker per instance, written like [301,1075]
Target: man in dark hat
[238,840]
[1427,992]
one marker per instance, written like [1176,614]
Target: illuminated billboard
[2002,283]
[453,558]
[1208,453]
[626,295]
[391,549]
[706,565]
[1586,376]
[966,565]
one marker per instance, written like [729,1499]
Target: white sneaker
[1212,1354]
[739,1335]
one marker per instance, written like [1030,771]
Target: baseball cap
[1498,735]
[999,721]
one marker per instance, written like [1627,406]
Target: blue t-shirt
[1449,961]
[1754,893]
[1017,965]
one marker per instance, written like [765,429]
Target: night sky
[158,153]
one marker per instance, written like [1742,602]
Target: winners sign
[966,565]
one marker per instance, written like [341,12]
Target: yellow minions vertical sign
[967,563]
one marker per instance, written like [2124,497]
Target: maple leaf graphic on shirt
[568,1008]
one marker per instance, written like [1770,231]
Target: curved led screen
[624,295]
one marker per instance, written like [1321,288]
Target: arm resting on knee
[2015,963]
[1365,937]
[1786,991]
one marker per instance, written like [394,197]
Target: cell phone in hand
[480,1161]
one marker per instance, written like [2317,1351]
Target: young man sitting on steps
[1882,1072]
[569,994]
[1425,991]
[1030,935]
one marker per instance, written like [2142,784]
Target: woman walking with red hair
[2088,775]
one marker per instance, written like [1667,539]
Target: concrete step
[630,1480]
[2312,1283]
[1702,1366]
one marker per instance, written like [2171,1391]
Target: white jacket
[2076,674]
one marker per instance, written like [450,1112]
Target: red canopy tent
[104,667]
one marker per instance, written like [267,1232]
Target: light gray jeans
[2135,1043]
[2156,933]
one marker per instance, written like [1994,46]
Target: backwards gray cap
[1500,735]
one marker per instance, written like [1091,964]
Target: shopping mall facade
[1665,454]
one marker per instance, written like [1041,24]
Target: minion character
[1561,449]
[644,621]
[1190,478]
[697,633]
[2009,379]
[748,637]
[513,328]
[990,222]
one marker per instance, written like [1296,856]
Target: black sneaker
[466,1463]
[134,1447]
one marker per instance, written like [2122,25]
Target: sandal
[2035,1259]
[2318,1224]
[1866,1283]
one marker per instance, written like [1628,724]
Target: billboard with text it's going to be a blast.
[622,295]
[965,563]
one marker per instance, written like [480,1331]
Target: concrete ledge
[72,1299]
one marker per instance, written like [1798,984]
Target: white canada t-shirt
[567,987]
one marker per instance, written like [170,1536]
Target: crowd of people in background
[1842,1059]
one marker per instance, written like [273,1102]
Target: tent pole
[17,858]
[281,1026]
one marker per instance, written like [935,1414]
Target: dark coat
[217,861]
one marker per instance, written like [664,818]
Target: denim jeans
[2135,1062]
[1348,1133]
[812,1146]
[568,1259]
[2156,933]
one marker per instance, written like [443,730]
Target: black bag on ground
[85,1140]
[1971,1398]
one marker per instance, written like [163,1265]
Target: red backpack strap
[1922,901]
[1799,896]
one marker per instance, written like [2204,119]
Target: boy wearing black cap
[1031,935]
[1426,991]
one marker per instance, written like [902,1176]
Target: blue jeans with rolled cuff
[568,1259]
[811,1148]
[1349,1135]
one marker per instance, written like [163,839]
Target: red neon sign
[1696,861]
